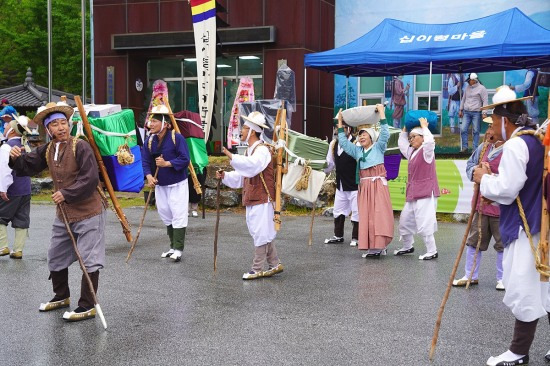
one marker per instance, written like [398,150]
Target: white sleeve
[6,179]
[429,145]
[233,180]
[330,157]
[250,166]
[504,187]
[403,144]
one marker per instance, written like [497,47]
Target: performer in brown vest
[254,174]
[74,172]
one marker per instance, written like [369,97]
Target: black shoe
[403,251]
[334,240]
[520,361]
[426,257]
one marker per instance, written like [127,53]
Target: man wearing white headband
[73,168]
[418,215]
[15,191]
[254,174]
[519,181]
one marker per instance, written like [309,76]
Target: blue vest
[530,196]
[21,186]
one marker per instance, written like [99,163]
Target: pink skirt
[375,210]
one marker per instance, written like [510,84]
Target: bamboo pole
[103,170]
[83,267]
[281,114]
[217,224]
[311,224]
[142,218]
[453,274]
[196,183]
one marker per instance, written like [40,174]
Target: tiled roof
[30,95]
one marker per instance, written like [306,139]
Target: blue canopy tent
[504,41]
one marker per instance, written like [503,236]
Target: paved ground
[329,306]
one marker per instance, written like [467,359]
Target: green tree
[24,43]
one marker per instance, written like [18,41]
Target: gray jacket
[475,96]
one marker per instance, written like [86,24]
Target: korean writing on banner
[442,37]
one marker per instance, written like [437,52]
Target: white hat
[503,95]
[371,131]
[20,124]
[256,121]
[472,76]
[160,109]
[417,131]
[52,107]
[362,115]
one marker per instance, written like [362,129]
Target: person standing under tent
[475,97]
[345,198]
[254,174]
[373,196]
[489,213]
[418,215]
[518,190]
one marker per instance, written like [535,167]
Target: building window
[421,102]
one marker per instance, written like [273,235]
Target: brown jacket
[254,191]
[74,174]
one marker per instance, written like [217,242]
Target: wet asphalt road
[329,306]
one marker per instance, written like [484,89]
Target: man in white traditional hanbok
[519,181]
[254,174]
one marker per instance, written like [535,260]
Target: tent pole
[347,86]
[305,100]
[430,88]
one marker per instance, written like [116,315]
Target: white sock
[509,356]
[177,253]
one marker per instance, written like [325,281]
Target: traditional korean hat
[503,95]
[20,125]
[44,111]
[361,117]
[256,121]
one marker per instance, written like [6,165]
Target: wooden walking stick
[142,218]
[281,117]
[311,225]
[453,274]
[83,267]
[217,224]
[103,170]
[196,183]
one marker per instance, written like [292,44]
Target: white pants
[172,202]
[345,202]
[418,217]
[526,296]
[259,219]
